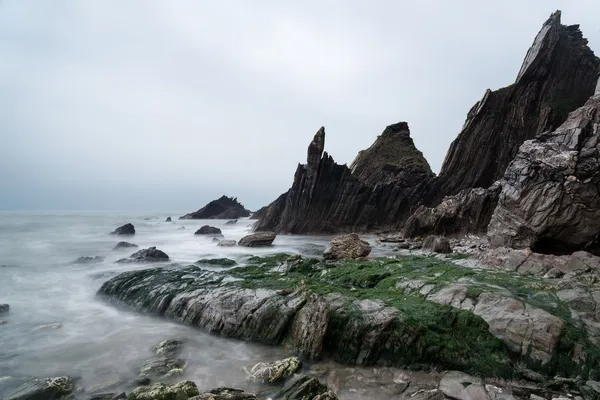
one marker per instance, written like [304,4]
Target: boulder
[437,244]
[550,199]
[151,254]
[124,245]
[347,246]
[159,391]
[273,372]
[208,230]
[4,308]
[168,348]
[222,208]
[168,219]
[88,260]
[224,393]
[127,229]
[306,388]
[258,239]
[162,366]
[36,389]
[227,243]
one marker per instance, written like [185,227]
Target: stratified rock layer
[222,208]
[550,199]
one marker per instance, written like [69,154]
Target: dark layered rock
[347,246]
[558,75]
[258,239]
[224,393]
[208,230]
[468,212]
[232,222]
[127,229]
[88,260]
[124,245]
[550,199]
[258,214]
[390,180]
[306,387]
[151,254]
[222,208]
[328,197]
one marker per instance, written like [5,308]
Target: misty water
[57,326]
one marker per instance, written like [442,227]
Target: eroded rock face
[558,75]
[151,254]
[258,239]
[347,246]
[127,229]
[208,230]
[306,388]
[310,327]
[222,208]
[550,199]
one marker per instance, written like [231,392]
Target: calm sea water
[96,342]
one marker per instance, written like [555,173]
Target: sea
[58,326]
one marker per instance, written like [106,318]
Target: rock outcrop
[127,229]
[388,182]
[151,254]
[124,245]
[550,199]
[222,208]
[208,230]
[258,239]
[558,75]
[437,244]
[347,246]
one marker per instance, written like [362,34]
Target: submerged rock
[88,260]
[258,239]
[169,348]
[37,389]
[550,199]
[159,391]
[437,244]
[151,254]
[127,229]
[227,243]
[4,308]
[162,366]
[273,372]
[347,246]
[306,388]
[232,222]
[168,219]
[224,393]
[222,208]
[124,245]
[221,262]
[208,230]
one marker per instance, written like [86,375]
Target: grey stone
[347,246]
[258,239]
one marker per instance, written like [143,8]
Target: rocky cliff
[222,208]
[377,193]
[558,75]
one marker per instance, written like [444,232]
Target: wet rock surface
[151,254]
[222,208]
[48,388]
[258,239]
[208,230]
[274,372]
[159,391]
[225,394]
[127,229]
[437,244]
[347,246]
[88,260]
[4,308]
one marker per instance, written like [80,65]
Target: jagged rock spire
[547,34]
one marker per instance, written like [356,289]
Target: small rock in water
[347,246]
[168,347]
[88,260]
[168,219]
[55,325]
[208,230]
[226,243]
[221,262]
[223,393]
[109,396]
[162,366]
[151,254]
[258,239]
[231,222]
[49,388]
[4,308]
[127,229]
[124,245]
[3,322]
[159,391]
[276,371]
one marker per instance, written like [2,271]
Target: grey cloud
[153,104]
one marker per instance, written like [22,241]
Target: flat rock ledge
[417,312]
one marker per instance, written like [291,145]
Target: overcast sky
[164,105]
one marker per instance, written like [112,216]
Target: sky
[147,105]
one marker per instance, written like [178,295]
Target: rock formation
[391,180]
[151,254]
[550,199]
[208,230]
[127,229]
[124,245]
[258,239]
[347,246]
[222,208]
[558,75]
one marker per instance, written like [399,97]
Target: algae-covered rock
[178,391]
[224,393]
[221,262]
[347,246]
[170,347]
[306,388]
[274,372]
[162,366]
[37,389]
